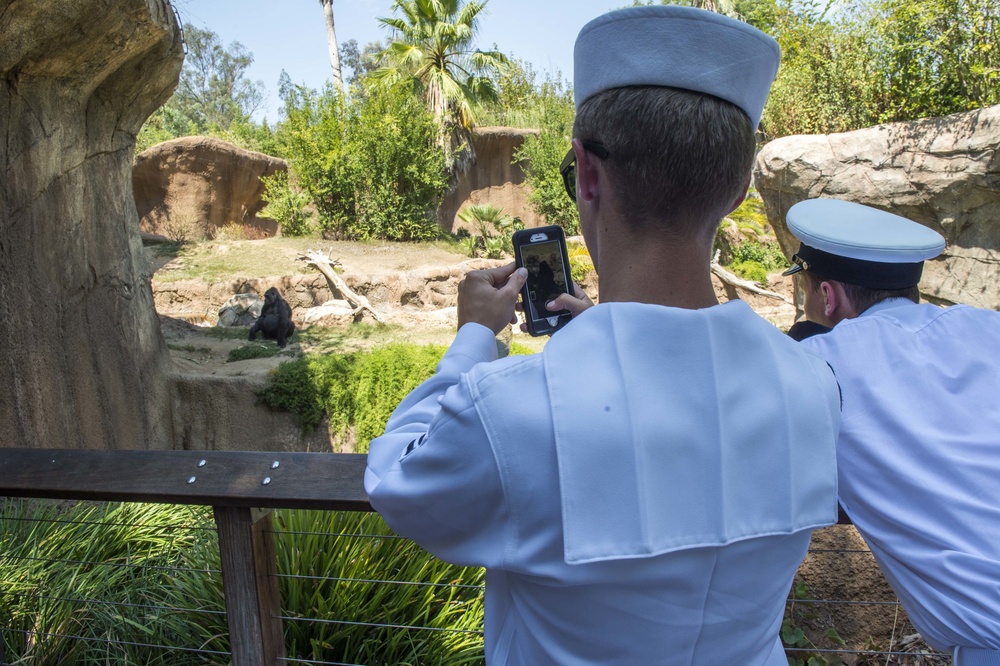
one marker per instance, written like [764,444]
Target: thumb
[515,282]
[575,305]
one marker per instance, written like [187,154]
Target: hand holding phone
[488,296]
[542,251]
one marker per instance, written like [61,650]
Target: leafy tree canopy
[213,94]
[433,50]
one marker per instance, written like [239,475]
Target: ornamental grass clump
[98,583]
[367,596]
[125,584]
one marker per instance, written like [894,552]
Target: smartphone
[542,251]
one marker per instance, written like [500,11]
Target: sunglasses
[568,166]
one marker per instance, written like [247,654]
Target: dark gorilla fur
[275,320]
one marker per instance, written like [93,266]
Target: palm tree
[331,39]
[433,48]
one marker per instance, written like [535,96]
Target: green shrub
[767,254]
[541,156]
[580,263]
[493,230]
[285,205]
[357,392]
[369,165]
[750,270]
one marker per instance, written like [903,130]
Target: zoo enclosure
[236,485]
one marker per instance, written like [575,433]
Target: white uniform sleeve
[432,474]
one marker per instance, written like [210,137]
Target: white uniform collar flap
[697,428]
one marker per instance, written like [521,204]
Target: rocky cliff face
[493,177]
[941,172]
[83,362]
[204,180]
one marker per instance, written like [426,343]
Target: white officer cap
[857,244]
[677,47]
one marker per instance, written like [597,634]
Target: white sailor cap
[677,47]
[856,244]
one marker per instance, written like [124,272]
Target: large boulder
[196,184]
[493,177]
[941,172]
[84,363]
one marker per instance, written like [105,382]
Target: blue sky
[290,34]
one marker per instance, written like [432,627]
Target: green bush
[369,165]
[493,230]
[357,392]
[397,174]
[285,205]
[750,270]
[755,260]
[541,156]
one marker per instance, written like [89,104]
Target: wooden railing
[240,487]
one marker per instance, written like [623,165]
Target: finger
[499,275]
[567,302]
[514,282]
[578,292]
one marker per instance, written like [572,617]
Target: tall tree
[331,39]
[214,89]
[360,61]
[433,47]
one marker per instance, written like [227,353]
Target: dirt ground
[222,268]
[199,348]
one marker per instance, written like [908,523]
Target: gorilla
[275,320]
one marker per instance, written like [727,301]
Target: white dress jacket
[919,459]
[641,492]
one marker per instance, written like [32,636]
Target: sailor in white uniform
[644,489]
[919,448]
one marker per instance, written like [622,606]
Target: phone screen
[546,278]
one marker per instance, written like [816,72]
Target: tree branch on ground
[325,265]
[747,285]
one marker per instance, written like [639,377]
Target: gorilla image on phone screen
[542,252]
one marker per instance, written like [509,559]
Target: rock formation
[493,177]
[203,183]
[941,172]
[83,362]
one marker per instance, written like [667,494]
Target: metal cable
[108,641]
[28,558]
[381,626]
[416,583]
[117,604]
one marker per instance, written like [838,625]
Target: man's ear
[741,197]
[587,173]
[836,305]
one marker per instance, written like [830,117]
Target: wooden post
[249,579]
